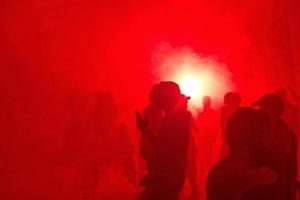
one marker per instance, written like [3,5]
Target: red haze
[51,49]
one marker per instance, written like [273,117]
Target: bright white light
[190,86]
[193,84]
[196,75]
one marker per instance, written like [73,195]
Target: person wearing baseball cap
[281,136]
[171,145]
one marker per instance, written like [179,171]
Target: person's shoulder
[220,168]
[218,173]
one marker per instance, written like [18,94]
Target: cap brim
[186,97]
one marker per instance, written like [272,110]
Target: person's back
[290,114]
[172,146]
[281,136]
[207,122]
[231,104]
[238,177]
[231,177]
[209,117]
[152,116]
[238,173]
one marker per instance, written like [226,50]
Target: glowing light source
[190,86]
[200,81]
[197,76]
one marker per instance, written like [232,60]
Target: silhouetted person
[232,102]
[109,149]
[238,173]
[192,166]
[171,146]
[281,135]
[153,117]
[290,114]
[208,130]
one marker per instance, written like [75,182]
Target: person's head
[271,104]
[245,127]
[206,102]
[168,95]
[232,98]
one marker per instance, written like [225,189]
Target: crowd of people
[231,153]
[257,158]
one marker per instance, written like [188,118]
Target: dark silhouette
[290,114]
[208,131]
[171,145]
[238,175]
[153,117]
[192,165]
[108,150]
[232,102]
[281,135]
